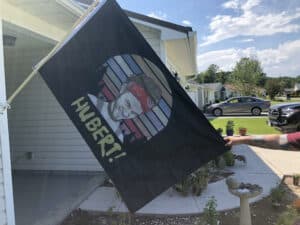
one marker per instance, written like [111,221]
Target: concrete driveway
[281,162]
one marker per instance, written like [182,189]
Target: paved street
[210,116]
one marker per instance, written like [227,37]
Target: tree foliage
[272,88]
[223,76]
[209,75]
[246,74]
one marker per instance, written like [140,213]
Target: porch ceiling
[181,54]
[48,18]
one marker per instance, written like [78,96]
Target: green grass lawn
[253,125]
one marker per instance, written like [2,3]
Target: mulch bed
[263,213]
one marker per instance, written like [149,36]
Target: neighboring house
[297,87]
[206,93]
[42,137]
[295,91]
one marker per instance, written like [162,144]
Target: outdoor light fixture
[9,40]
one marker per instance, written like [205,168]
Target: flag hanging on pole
[139,122]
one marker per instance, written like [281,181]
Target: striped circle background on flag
[117,71]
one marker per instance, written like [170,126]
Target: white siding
[194,96]
[42,137]
[3,219]
[4,196]
[152,36]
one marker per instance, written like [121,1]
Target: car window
[296,107]
[233,101]
[246,100]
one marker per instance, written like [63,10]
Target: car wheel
[217,112]
[256,111]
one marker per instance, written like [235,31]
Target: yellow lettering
[107,140]
[84,116]
[79,104]
[101,132]
[93,124]
[114,149]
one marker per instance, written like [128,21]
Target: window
[234,101]
[247,100]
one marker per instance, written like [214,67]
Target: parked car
[243,104]
[286,117]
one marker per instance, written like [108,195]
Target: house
[209,93]
[205,93]
[295,91]
[36,135]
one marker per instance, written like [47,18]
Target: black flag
[140,124]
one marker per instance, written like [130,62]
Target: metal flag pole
[53,51]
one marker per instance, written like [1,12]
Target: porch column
[4,144]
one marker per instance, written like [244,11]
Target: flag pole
[50,54]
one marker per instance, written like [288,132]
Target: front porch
[46,198]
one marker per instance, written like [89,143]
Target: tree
[199,77]
[272,87]
[209,75]
[246,75]
[262,79]
[223,76]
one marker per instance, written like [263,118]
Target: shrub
[228,158]
[277,194]
[290,217]
[199,180]
[210,214]
[183,187]
[194,183]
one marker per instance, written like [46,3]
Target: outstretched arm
[272,141]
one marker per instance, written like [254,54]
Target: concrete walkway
[264,167]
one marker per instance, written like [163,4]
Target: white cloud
[280,61]
[250,4]
[249,23]
[158,15]
[187,22]
[233,4]
[246,40]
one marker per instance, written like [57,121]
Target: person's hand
[233,140]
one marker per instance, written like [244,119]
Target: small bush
[194,183]
[183,187]
[199,181]
[229,158]
[277,194]
[210,214]
[290,217]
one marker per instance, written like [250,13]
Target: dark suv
[285,116]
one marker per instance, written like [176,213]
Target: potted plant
[229,158]
[296,179]
[243,131]
[229,128]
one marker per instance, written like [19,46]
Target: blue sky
[268,30]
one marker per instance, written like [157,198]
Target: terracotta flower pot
[296,180]
[243,131]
